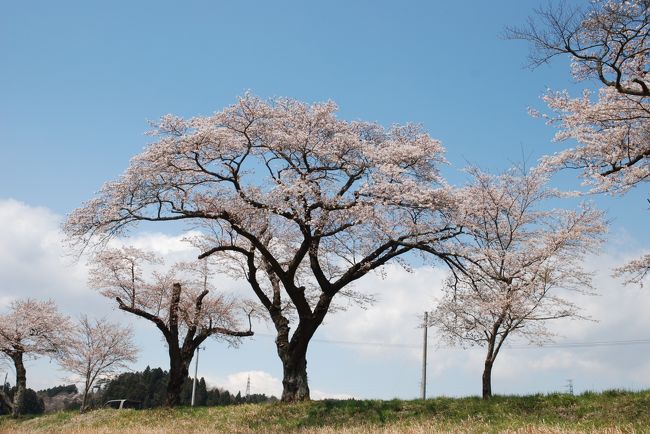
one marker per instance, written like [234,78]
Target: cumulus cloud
[171,247]
[263,382]
[385,338]
[394,319]
[33,262]
[618,313]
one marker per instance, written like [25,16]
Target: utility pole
[196,368]
[423,385]
[569,385]
[196,365]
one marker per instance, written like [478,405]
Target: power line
[583,344]
[589,344]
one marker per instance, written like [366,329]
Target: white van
[120,404]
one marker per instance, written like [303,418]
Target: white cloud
[394,319]
[33,263]
[618,313]
[263,382]
[172,247]
[319,394]
[563,359]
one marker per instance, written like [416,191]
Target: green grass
[612,411]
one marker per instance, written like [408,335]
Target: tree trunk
[178,371]
[21,385]
[487,379]
[294,381]
[293,355]
[84,399]
[82,409]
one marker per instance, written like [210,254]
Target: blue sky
[79,80]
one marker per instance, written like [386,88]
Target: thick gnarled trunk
[294,380]
[178,371]
[293,354]
[21,385]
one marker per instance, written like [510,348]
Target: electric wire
[558,345]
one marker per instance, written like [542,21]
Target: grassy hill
[608,412]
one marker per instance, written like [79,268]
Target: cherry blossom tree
[612,133]
[515,256]
[635,271]
[605,39]
[184,310]
[97,350]
[299,203]
[608,41]
[31,328]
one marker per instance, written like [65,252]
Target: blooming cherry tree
[513,260]
[607,41]
[96,350]
[31,328]
[183,308]
[635,271]
[297,202]
[612,133]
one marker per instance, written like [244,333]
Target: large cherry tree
[296,201]
[179,300]
[31,328]
[608,42]
[516,257]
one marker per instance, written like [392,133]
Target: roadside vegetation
[611,412]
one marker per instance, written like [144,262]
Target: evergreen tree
[32,403]
[53,391]
[225,398]
[214,397]
[201,393]
[150,388]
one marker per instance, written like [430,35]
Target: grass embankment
[608,412]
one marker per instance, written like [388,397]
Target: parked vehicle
[120,404]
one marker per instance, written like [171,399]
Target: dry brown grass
[607,413]
[397,428]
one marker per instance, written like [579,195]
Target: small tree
[31,328]
[513,259]
[97,350]
[185,312]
